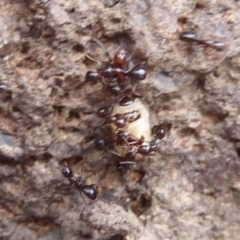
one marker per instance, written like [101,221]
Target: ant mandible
[90,191]
[191,37]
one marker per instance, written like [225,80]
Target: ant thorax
[138,129]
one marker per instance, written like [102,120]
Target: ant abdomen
[92,77]
[126,101]
[138,73]
[91,191]
[187,36]
[100,144]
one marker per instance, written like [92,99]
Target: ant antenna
[94,60]
[103,47]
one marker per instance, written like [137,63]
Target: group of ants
[115,78]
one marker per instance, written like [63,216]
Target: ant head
[159,131]
[144,150]
[90,191]
[92,77]
[122,167]
[100,144]
[120,58]
[114,89]
[66,171]
[102,112]
[120,122]
[130,154]
[123,133]
[126,101]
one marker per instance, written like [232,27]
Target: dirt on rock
[189,189]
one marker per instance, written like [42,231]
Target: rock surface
[190,189]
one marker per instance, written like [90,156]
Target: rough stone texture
[189,190]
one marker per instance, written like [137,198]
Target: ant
[118,71]
[126,101]
[137,73]
[90,191]
[122,138]
[144,150]
[120,120]
[191,37]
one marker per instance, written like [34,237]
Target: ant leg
[129,58]
[115,153]
[102,46]
[128,162]
[132,93]
[104,95]
[94,60]
[88,139]
[77,197]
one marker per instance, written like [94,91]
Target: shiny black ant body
[191,37]
[90,191]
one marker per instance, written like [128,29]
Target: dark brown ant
[117,70]
[191,37]
[125,138]
[140,148]
[137,73]
[90,191]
